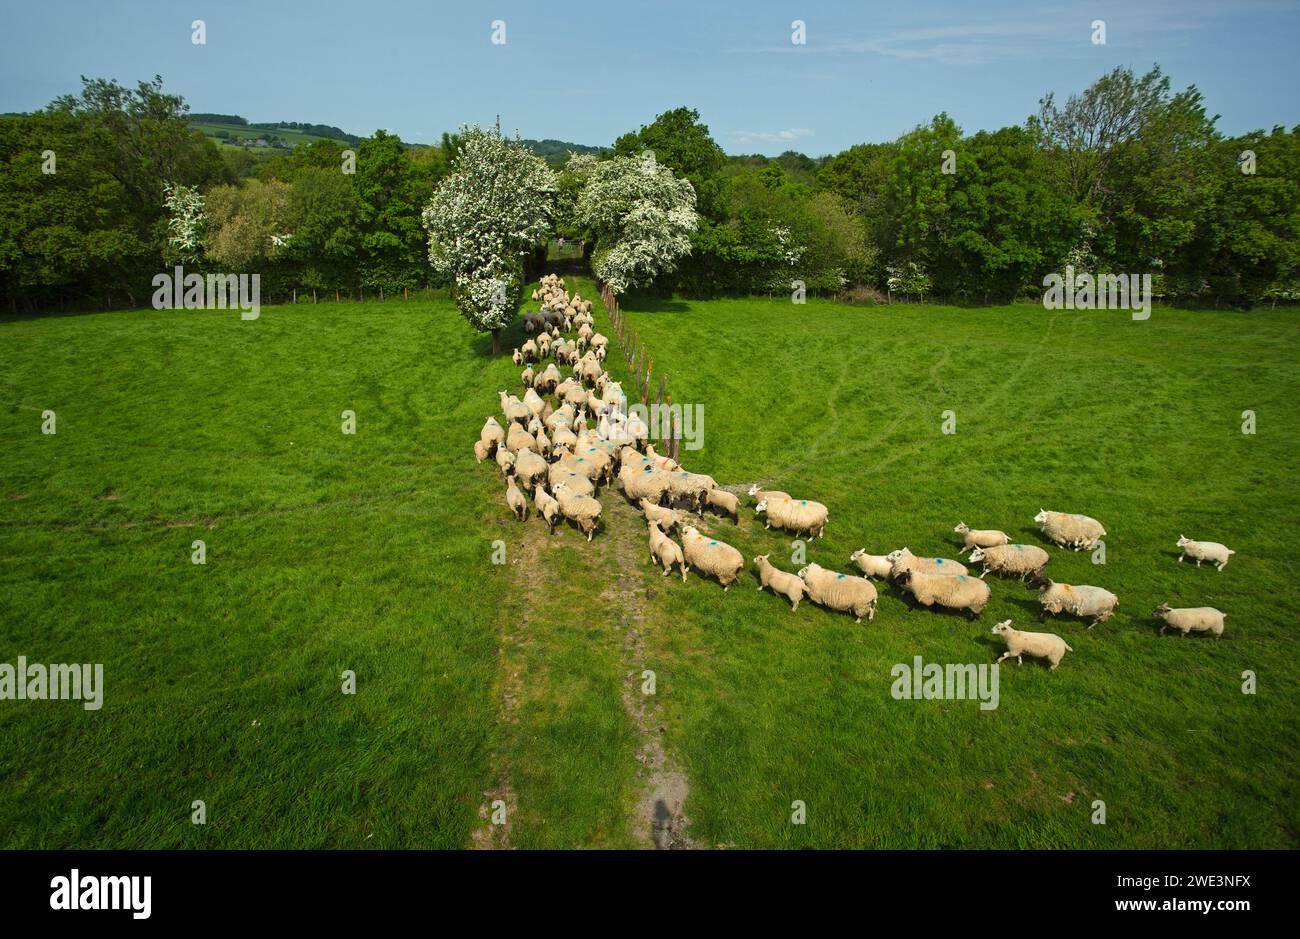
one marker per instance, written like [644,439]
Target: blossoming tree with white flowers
[484,219]
[186,222]
[643,218]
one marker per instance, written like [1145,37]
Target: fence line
[641,366]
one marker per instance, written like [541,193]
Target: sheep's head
[962,528]
[1161,610]
[857,554]
[1183,540]
[1038,581]
[690,531]
[761,507]
[977,554]
[1041,516]
[1002,628]
[762,557]
[900,553]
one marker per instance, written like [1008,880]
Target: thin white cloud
[770,136]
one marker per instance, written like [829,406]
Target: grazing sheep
[980,537]
[872,565]
[578,508]
[529,467]
[1082,600]
[904,560]
[1199,551]
[843,592]
[1190,619]
[762,495]
[1070,531]
[712,557]
[725,502]
[480,451]
[666,518]
[1019,559]
[795,515]
[664,550]
[1037,645]
[955,593]
[492,435]
[516,500]
[782,583]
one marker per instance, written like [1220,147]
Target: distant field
[521,683]
[242,132]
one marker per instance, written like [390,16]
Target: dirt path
[660,820]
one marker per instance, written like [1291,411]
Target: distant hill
[233,130]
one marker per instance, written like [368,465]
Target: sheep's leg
[1004,655]
[1020,660]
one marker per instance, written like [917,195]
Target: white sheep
[843,592]
[664,550]
[547,507]
[904,560]
[980,537]
[1037,645]
[712,557]
[529,467]
[1019,559]
[1070,531]
[578,508]
[799,516]
[667,518]
[1076,600]
[1199,551]
[955,593]
[872,565]
[480,451]
[761,495]
[513,408]
[516,500]
[1191,619]
[492,436]
[505,460]
[782,583]
[725,502]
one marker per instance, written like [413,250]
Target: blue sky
[589,71]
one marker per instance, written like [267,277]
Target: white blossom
[188,220]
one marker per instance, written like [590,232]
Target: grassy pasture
[475,682]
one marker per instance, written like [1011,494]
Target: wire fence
[640,364]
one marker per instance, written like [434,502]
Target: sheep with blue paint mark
[843,592]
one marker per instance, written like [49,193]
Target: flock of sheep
[548,451]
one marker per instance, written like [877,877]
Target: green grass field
[476,682]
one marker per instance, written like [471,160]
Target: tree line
[1126,176]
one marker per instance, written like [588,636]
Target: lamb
[843,592]
[1037,645]
[526,376]
[1070,531]
[664,550]
[492,436]
[712,557]
[795,515]
[956,593]
[480,451]
[761,495]
[980,537]
[1199,551]
[666,518]
[516,500]
[547,507]
[1019,559]
[1191,619]
[1082,600]
[872,565]
[725,502]
[783,584]
[578,508]
[529,467]
[661,462]
[904,560]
